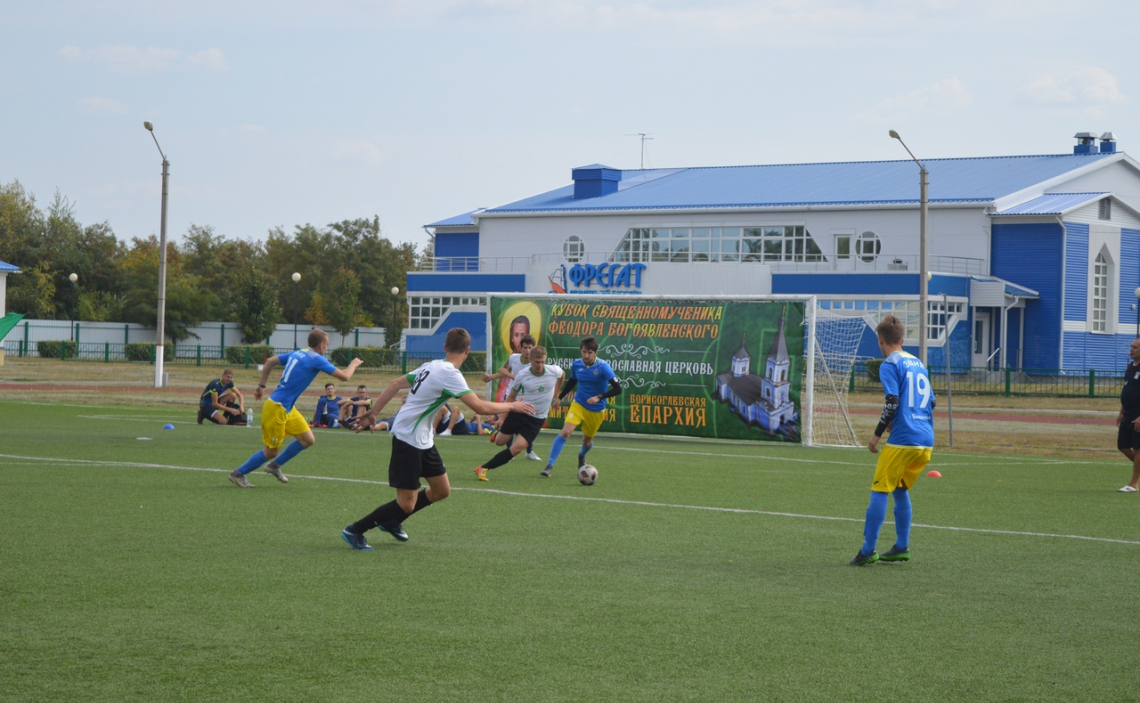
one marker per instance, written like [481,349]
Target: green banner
[697,368]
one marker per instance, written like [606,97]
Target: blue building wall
[1031,255]
[1076,272]
[451,245]
[1129,276]
[474,322]
[1103,352]
[844,283]
[460,283]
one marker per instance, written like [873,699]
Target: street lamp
[160,333]
[923,267]
[74,288]
[296,287]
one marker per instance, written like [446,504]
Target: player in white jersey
[514,366]
[538,384]
[414,455]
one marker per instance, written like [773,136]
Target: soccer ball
[587,475]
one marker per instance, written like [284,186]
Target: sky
[283,113]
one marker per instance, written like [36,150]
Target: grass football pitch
[132,570]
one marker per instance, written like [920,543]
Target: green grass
[126,582]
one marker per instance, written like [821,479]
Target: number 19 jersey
[433,384]
[905,376]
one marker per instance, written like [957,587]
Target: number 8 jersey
[905,376]
[432,384]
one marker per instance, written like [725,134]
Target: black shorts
[409,464]
[1127,437]
[461,427]
[207,414]
[528,426]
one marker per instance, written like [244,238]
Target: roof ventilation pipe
[594,181]
[1086,143]
[1108,143]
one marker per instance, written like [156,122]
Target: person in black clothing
[1128,419]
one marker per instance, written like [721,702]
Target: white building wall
[1119,178]
[954,232]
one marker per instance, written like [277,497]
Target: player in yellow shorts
[908,414]
[595,383]
[279,416]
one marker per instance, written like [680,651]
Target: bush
[476,363]
[144,351]
[373,357]
[872,366]
[258,353]
[52,349]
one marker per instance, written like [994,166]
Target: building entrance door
[981,339]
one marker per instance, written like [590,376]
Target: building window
[425,312]
[1100,294]
[867,247]
[906,311]
[1104,209]
[573,249]
[843,247]
[714,244]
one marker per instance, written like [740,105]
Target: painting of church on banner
[762,401]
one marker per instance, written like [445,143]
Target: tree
[185,301]
[315,314]
[33,292]
[257,306]
[342,301]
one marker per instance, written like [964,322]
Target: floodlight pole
[923,265]
[296,288]
[74,294]
[160,332]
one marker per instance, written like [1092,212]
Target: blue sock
[876,513]
[253,464]
[903,515]
[291,451]
[559,441]
[585,448]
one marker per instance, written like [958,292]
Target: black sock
[499,459]
[421,503]
[384,515]
[530,447]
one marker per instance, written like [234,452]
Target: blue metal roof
[1010,288]
[457,221]
[1053,204]
[981,179]
[8,268]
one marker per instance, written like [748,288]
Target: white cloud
[130,59]
[102,106]
[949,94]
[363,152]
[211,59]
[1088,87]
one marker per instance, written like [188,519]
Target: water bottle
[249,417]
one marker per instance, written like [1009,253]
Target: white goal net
[832,344]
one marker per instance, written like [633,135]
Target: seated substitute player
[328,408]
[279,415]
[222,403]
[414,455]
[351,408]
[515,364]
[538,383]
[908,413]
[592,376]
[452,422]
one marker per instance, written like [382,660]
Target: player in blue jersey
[908,415]
[595,382]
[279,416]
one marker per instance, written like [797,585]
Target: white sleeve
[455,384]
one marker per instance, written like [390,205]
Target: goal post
[831,350]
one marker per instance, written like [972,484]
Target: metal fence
[1087,383]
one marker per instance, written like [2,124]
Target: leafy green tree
[32,292]
[257,306]
[185,300]
[342,301]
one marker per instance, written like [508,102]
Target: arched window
[573,248]
[1102,269]
[867,247]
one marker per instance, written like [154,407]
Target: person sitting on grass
[328,408]
[354,406]
[222,403]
